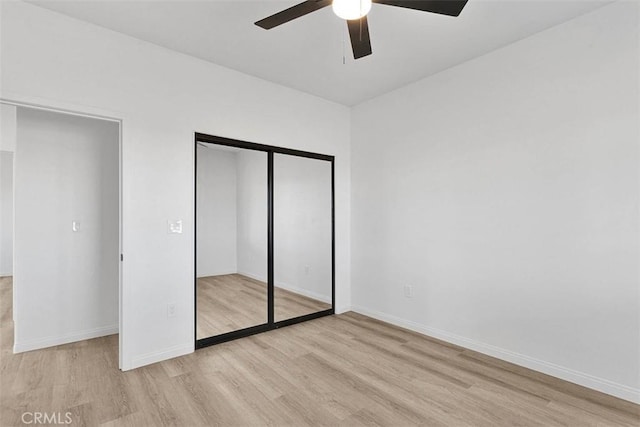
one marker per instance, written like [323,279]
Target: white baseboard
[346,308]
[600,384]
[6,274]
[287,287]
[159,356]
[304,292]
[253,276]
[20,347]
[216,273]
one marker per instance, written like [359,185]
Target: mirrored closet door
[231,239]
[264,221]
[302,236]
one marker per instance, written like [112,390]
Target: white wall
[252,209]
[66,282]
[7,147]
[216,237]
[505,191]
[7,127]
[163,97]
[6,213]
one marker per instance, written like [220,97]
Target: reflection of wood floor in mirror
[230,302]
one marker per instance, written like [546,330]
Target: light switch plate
[171,309]
[174,226]
[408,291]
[75,226]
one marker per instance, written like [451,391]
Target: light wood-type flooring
[231,302]
[346,370]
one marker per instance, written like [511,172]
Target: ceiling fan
[355,13]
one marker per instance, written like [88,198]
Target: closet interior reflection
[264,238]
[231,239]
[302,235]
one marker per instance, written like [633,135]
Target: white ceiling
[307,54]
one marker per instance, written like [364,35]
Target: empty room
[300,213]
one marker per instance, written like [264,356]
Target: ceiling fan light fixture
[351,9]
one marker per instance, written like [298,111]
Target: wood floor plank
[346,370]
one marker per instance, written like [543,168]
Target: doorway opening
[66,226]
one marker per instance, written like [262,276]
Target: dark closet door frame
[271,323]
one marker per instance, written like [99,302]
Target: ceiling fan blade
[443,7]
[292,13]
[360,41]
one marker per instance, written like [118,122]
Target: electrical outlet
[171,310]
[408,291]
[174,226]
